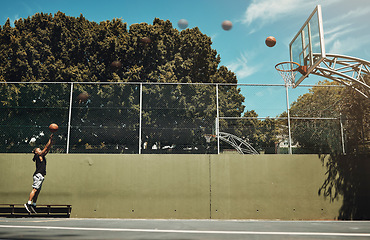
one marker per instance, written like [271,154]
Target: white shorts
[38,179]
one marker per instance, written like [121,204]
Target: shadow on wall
[348,176]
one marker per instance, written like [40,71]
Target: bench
[18,210]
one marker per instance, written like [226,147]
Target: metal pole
[287,107]
[140,113]
[69,118]
[217,122]
[342,133]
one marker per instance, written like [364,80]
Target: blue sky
[242,49]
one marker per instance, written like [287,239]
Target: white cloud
[336,29]
[349,45]
[268,11]
[346,32]
[241,67]
[265,11]
[349,16]
[345,23]
[335,33]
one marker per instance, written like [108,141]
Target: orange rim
[284,66]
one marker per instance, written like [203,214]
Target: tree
[58,48]
[347,174]
[324,136]
[270,133]
[251,129]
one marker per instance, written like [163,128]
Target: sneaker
[28,207]
[33,208]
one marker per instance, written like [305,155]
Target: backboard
[307,47]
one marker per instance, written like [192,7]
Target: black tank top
[40,165]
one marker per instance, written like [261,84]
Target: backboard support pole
[288,115]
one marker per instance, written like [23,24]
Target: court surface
[46,228]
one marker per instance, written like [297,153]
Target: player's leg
[37,184]
[34,200]
[32,194]
[28,204]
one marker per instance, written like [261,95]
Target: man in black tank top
[39,174]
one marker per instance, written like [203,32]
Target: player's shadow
[348,177]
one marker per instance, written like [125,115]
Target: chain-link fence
[271,135]
[143,118]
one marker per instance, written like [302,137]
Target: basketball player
[39,174]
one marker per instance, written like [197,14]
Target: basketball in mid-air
[145,40]
[115,65]
[182,23]
[270,41]
[227,25]
[53,127]
[83,97]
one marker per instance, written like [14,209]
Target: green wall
[269,187]
[225,186]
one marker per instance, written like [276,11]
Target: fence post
[287,108]
[217,122]
[69,118]
[140,113]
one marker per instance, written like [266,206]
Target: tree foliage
[349,108]
[58,48]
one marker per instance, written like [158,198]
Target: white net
[288,71]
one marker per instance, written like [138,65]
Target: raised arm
[47,146]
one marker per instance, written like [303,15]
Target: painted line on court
[192,231]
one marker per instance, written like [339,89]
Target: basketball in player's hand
[53,127]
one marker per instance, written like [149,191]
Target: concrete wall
[270,187]
[226,186]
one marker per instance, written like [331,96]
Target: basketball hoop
[288,70]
